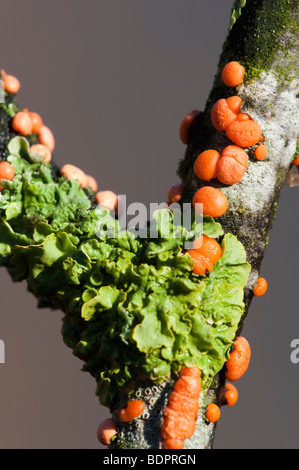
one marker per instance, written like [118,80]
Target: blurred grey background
[113,79]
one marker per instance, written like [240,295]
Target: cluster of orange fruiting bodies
[26,122]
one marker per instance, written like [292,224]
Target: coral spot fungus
[175,193]
[213,413]
[71,172]
[133,409]
[230,395]
[108,199]
[210,201]
[106,431]
[205,166]
[41,150]
[261,287]
[11,84]
[296,161]
[46,137]
[7,172]
[185,125]
[244,133]
[239,359]
[22,123]
[233,74]
[232,165]
[261,152]
[222,114]
[180,414]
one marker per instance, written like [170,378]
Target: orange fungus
[244,133]
[185,125]
[261,287]
[210,201]
[239,360]
[233,74]
[206,164]
[232,165]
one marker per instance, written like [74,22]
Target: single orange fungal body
[180,414]
[11,84]
[233,74]
[239,359]
[202,265]
[91,182]
[205,166]
[261,152]
[133,409]
[213,413]
[210,201]
[296,161]
[7,172]
[244,133]
[72,172]
[46,137]
[41,150]
[108,199]
[222,115]
[21,123]
[261,287]
[232,165]
[175,193]
[185,125]
[208,247]
[230,395]
[106,431]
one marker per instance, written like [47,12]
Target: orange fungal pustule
[261,287]
[222,115]
[72,172]
[232,165]
[233,74]
[11,83]
[202,265]
[92,183]
[133,409]
[210,201]
[243,117]
[180,413]
[46,137]
[231,395]
[244,133]
[261,152]
[175,193]
[7,172]
[208,247]
[22,123]
[106,431]
[205,166]
[296,161]
[108,199]
[239,359]
[185,125]
[41,150]
[36,120]
[213,413]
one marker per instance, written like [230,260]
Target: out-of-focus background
[113,79]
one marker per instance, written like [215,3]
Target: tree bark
[263,37]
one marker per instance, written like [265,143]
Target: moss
[256,36]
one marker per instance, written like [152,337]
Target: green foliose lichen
[133,308]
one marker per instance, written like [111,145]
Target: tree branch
[263,38]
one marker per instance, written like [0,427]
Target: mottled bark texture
[264,38]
